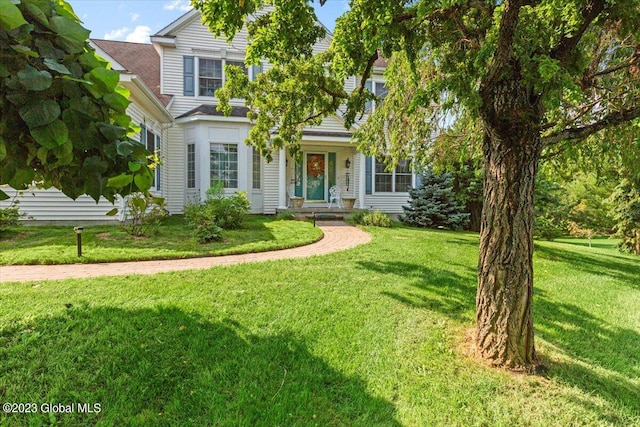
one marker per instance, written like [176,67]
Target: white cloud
[182,5]
[134,16]
[139,35]
[117,34]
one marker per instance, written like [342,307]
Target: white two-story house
[172,83]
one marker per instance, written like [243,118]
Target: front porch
[323,173]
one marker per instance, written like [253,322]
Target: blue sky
[135,20]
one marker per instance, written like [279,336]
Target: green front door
[315,176]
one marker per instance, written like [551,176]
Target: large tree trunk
[504,317]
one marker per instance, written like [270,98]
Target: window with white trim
[379,89]
[211,74]
[191,166]
[152,142]
[224,164]
[257,169]
[398,180]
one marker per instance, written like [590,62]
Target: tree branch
[580,133]
[567,44]
[504,44]
[367,71]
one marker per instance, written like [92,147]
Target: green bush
[202,218]
[377,219]
[355,217]
[230,211]
[9,217]
[216,213]
[143,213]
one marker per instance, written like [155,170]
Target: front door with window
[316,177]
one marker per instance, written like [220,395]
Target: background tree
[626,212]
[63,120]
[537,75]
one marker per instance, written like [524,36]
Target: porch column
[362,178]
[282,179]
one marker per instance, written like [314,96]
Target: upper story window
[209,76]
[379,89]
[203,76]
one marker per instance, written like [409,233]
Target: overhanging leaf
[120,181]
[10,16]
[34,79]
[116,102]
[112,212]
[143,179]
[68,28]
[134,167]
[44,137]
[54,65]
[39,113]
[107,80]
[36,13]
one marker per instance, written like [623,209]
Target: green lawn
[174,239]
[373,336]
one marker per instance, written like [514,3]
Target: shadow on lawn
[440,290]
[588,342]
[167,367]
[603,264]
[591,343]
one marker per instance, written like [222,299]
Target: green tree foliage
[433,204]
[63,120]
[536,76]
[626,212]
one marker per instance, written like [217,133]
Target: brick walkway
[337,236]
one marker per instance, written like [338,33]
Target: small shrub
[229,212]
[286,215]
[377,219]
[355,217]
[9,217]
[142,213]
[202,218]
[216,213]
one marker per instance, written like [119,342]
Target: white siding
[53,205]
[389,203]
[175,170]
[270,183]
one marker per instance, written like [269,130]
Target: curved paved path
[337,236]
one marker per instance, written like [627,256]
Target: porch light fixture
[78,231]
[347,164]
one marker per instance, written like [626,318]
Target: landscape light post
[78,231]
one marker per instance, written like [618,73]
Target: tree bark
[512,146]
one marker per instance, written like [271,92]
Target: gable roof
[137,58]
